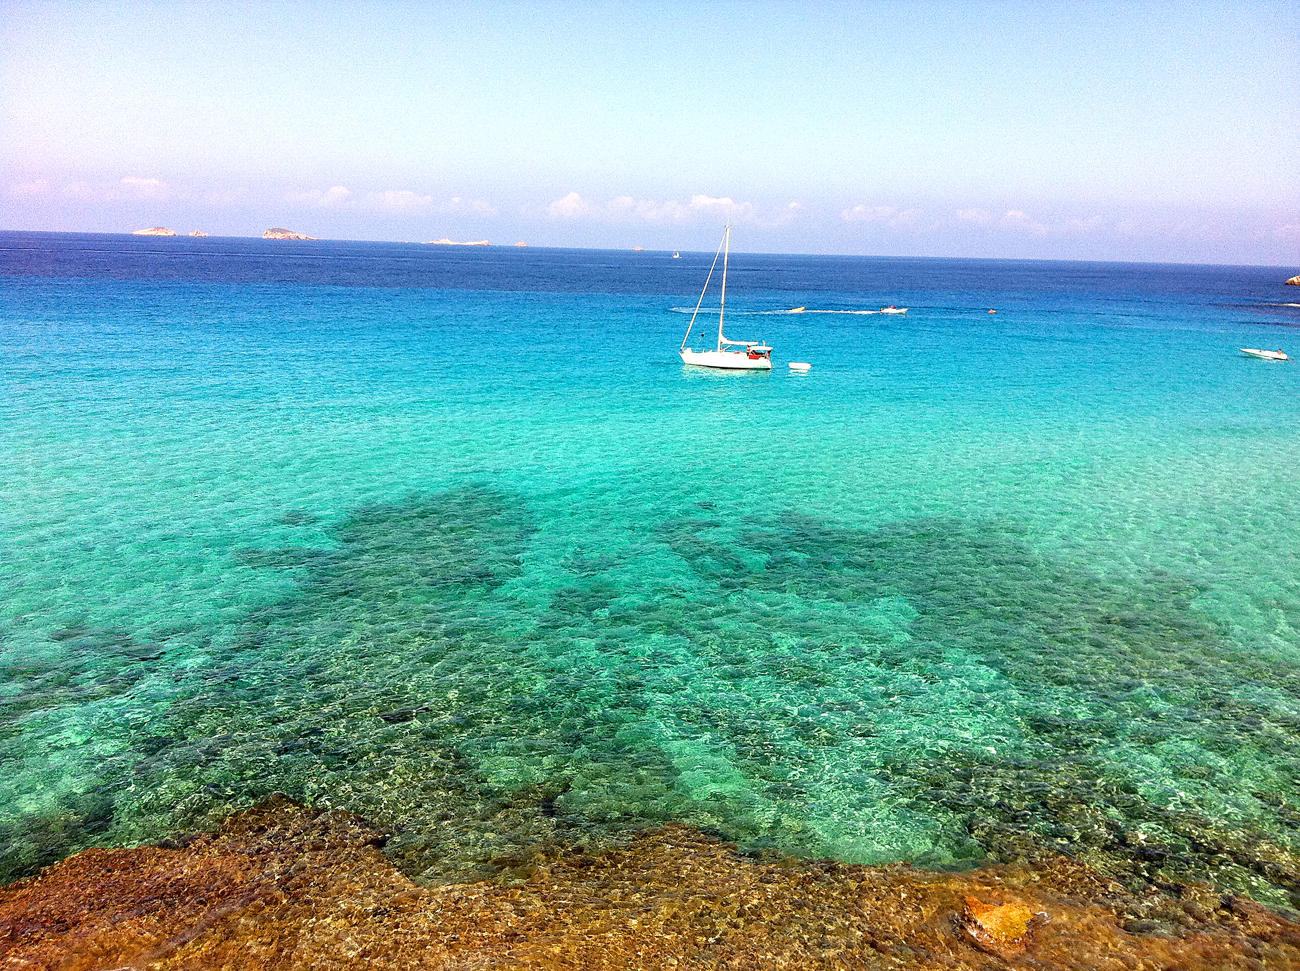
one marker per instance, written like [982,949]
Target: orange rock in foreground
[282,887]
[1001,929]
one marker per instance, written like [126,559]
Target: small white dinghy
[1278,355]
[891,309]
[801,366]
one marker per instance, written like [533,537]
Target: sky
[1084,130]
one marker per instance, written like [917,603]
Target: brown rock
[285,887]
[1001,929]
[1294,281]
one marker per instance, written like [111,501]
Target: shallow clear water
[451,539]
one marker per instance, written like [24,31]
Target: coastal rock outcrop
[1003,929]
[1294,281]
[154,231]
[198,232]
[452,242]
[282,886]
[277,233]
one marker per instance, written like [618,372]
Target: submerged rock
[282,886]
[1001,929]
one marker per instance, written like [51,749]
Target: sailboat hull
[729,360]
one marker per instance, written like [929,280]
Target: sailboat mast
[726,250]
[699,303]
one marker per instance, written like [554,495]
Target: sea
[450,538]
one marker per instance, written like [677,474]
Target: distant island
[452,242]
[1294,281]
[198,232]
[521,243]
[277,233]
[155,231]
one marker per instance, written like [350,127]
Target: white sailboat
[755,356]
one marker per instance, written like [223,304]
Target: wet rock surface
[284,886]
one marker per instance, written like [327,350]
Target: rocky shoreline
[283,886]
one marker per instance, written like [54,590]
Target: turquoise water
[452,540]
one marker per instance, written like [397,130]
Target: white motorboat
[891,309]
[1278,355]
[729,354]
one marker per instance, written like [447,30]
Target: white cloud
[882,215]
[787,215]
[699,207]
[337,197]
[979,217]
[146,188]
[224,197]
[867,214]
[1017,220]
[37,188]
[1081,227]
[572,206]
[397,200]
[479,207]
[1196,228]
[625,208]
[723,206]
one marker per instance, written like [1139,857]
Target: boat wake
[770,313]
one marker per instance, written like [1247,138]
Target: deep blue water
[450,538]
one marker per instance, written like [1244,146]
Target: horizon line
[629,249]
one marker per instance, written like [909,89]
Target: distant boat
[796,310]
[891,309]
[676,255]
[1265,355]
[756,355]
